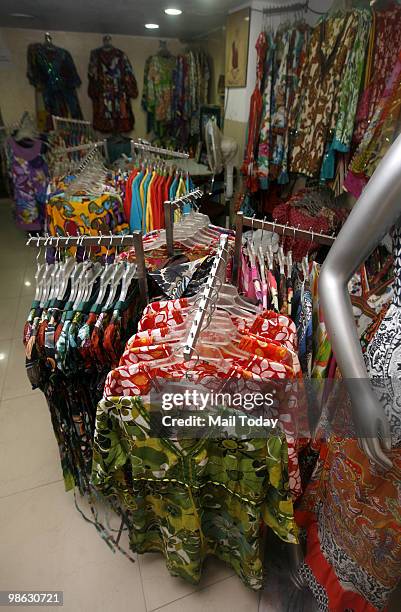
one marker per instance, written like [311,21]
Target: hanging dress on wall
[112,84]
[51,70]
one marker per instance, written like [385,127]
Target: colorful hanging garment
[384,54]
[249,168]
[30,178]
[330,47]
[111,87]
[351,84]
[51,70]
[379,136]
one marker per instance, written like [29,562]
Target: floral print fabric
[112,85]
[80,215]
[194,492]
[193,498]
[30,178]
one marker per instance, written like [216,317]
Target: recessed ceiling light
[173,11]
[246,18]
[21,15]
[151,26]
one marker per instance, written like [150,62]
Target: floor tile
[28,281]
[5,351]
[16,381]
[12,281]
[27,445]
[8,316]
[228,595]
[13,257]
[48,546]
[154,571]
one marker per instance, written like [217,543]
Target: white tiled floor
[44,542]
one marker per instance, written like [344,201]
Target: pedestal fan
[221,152]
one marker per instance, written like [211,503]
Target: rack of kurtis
[271,226]
[110,241]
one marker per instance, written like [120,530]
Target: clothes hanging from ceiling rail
[319,92]
[344,108]
[284,55]
[174,90]
[51,70]
[111,87]
[383,54]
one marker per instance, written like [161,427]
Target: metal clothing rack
[286,8]
[271,226]
[78,122]
[125,240]
[83,147]
[217,274]
[169,207]
[145,146]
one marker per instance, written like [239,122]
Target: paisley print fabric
[318,91]
[351,508]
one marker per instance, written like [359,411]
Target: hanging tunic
[51,70]
[330,46]
[255,116]
[112,84]
[387,46]
[379,135]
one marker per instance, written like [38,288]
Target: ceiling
[118,16]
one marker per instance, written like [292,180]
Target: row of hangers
[111,279]
[208,331]
[268,255]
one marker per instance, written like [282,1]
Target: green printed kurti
[351,83]
[193,498]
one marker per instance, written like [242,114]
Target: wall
[17,95]
[215,46]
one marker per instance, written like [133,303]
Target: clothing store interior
[200,307]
